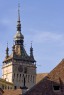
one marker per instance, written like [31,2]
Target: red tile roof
[46,85]
[40,76]
[13,92]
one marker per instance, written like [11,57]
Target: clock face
[20,68]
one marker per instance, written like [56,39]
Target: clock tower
[19,67]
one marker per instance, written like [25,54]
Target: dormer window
[56,87]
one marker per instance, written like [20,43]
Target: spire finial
[31,43]
[18,10]
[18,22]
[31,50]
[7,44]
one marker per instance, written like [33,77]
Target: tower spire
[18,11]
[19,37]
[18,22]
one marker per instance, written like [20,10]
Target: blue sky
[42,23]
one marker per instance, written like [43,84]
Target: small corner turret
[7,51]
[31,53]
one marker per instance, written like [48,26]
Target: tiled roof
[4,81]
[13,92]
[57,72]
[40,76]
[46,85]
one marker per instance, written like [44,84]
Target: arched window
[33,79]
[14,75]
[5,87]
[2,86]
[17,75]
[20,75]
[28,78]
[15,87]
[8,87]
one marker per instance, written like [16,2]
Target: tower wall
[7,72]
[21,70]
[16,71]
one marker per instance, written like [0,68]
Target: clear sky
[42,23]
